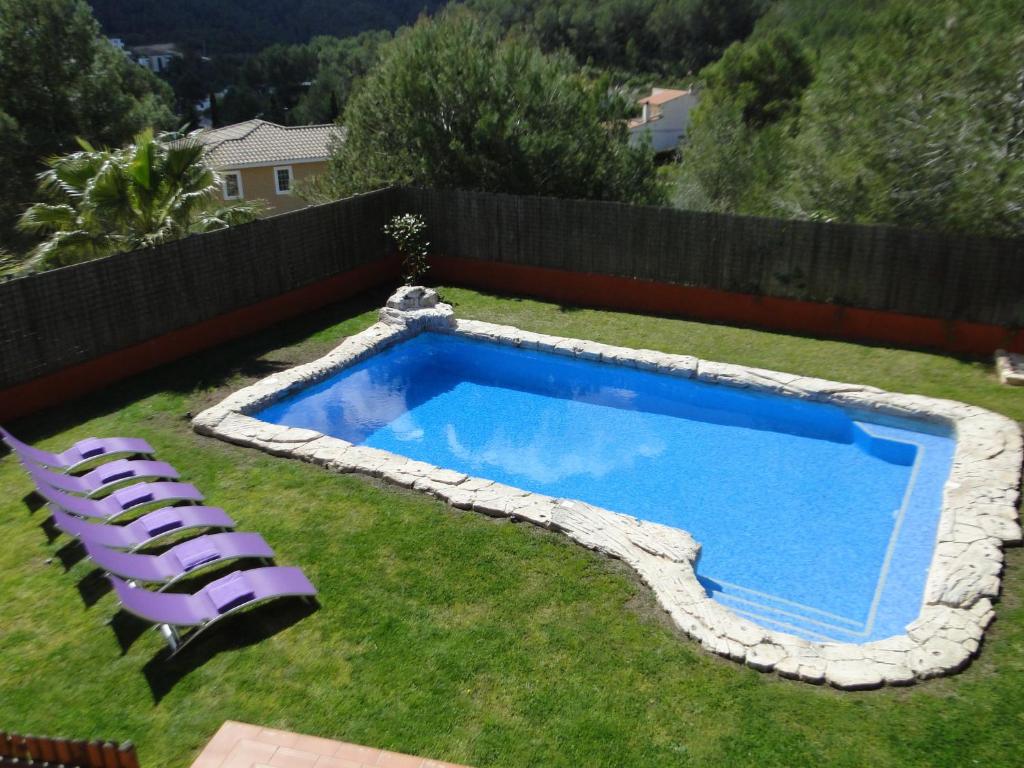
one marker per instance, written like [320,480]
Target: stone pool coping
[979,512]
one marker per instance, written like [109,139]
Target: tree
[341,63]
[766,77]
[107,201]
[452,104]
[921,122]
[909,113]
[735,154]
[270,84]
[60,78]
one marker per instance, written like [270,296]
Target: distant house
[665,115]
[259,160]
[155,57]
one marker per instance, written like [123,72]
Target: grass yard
[446,633]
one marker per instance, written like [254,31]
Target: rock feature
[978,517]
[1010,368]
[416,307]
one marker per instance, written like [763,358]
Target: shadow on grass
[127,629]
[71,554]
[50,530]
[93,586]
[33,501]
[164,671]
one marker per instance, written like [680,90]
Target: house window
[232,185]
[283,180]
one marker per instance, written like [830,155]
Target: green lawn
[447,633]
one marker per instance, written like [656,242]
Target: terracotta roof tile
[258,142]
[662,95]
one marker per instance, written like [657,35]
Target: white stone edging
[979,513]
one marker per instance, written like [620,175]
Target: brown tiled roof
[257,142]
[663,95]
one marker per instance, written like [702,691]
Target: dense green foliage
[907,112]
[102,202]
[301,84]
[248,26]
[59,79]
[670,37]
[446,633]
[454,104]
[292,81]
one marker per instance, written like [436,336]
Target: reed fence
[41,751]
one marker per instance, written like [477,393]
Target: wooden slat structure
[70,316]
[891,269]
[17,751]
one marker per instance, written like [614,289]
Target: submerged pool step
[787,616]
[871,439]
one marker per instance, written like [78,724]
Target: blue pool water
[811,519]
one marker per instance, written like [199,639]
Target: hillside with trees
[283,74]
[248,26]
[301,84]
[907,112]
[666,37]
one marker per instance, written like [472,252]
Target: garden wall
[81,313]
[902,271]
[72,330]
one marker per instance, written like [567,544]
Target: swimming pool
[810,518]
[831,532]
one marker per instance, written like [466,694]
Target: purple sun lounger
[217,600]
[106,476]
[144,531]
[181,560]
[119,502]
[83,452]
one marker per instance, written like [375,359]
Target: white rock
[764,656]
[853,675]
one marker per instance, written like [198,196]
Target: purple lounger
[217,600]
[146,530]
[83,452]
[119,502]
[182,559]
[106,476]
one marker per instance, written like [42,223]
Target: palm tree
[107,201]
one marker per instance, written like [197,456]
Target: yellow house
[258,160]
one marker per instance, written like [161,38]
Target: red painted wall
[593,290]
[804,317]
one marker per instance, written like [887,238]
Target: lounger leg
[192,635]
[171,636]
